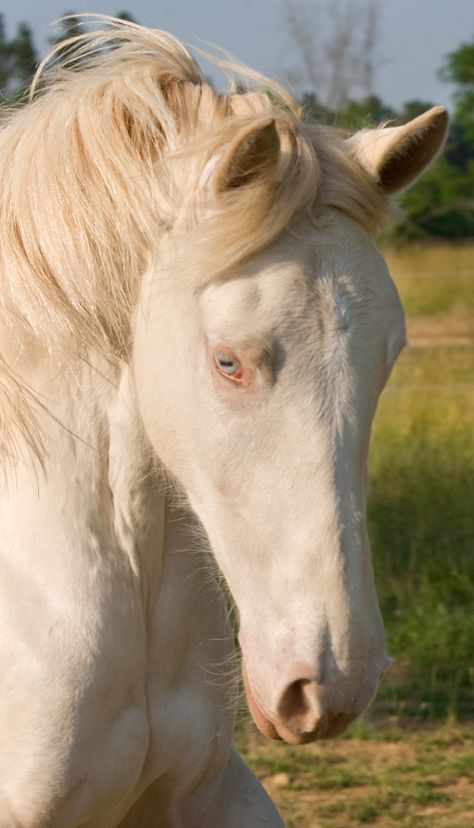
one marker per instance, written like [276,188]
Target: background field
[410,762]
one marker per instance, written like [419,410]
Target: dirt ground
[451,330]
[384,778]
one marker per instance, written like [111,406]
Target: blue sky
[415,34]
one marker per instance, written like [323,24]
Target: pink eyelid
[243,375]
[238,377]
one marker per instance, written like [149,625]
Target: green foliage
[442,203]
[411,109]
[314,110]
[125,15]
[24,55]
[5,57]
[420,506]
[69,26]
[422,529]
[18,60]
[364,113]
[459,69]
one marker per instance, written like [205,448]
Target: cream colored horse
[188,276]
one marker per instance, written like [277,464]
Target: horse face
[258,394]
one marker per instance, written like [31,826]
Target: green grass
[421,523]
[421,504]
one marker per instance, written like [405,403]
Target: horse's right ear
[395,156]
[253,154]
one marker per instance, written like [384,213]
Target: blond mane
[97,167]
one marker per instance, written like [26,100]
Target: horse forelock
[97,166]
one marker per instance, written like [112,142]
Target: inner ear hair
[394,156]
[413,152]
[253,153]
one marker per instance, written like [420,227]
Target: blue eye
[227,364]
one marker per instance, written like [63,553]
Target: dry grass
[436,284]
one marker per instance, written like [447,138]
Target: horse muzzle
[305,711]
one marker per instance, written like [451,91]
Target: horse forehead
[253,302]
[320,274]
[336,256]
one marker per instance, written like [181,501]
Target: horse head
[257,389]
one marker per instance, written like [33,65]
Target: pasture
[410,762]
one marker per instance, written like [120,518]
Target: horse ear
[252,154]
[395,156]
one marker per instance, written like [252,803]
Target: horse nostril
[300,705]
[305,713]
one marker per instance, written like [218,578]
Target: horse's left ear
[395,156]
[254,153]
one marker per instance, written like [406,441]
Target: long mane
[97,167]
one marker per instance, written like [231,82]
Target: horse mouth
[261,719]
[327,727]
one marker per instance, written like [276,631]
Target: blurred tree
[125,15]
[413,108]
[459,69]
[18,61]
[314,109]
[24,57]
[368,111]
[442,202]
[459,149]
[335,42]
[5,58]
[68,26]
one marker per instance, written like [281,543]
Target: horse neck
[96,468]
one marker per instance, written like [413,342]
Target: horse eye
[227,364]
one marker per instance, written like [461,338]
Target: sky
[415,35]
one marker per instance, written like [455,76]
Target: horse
[196,326]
